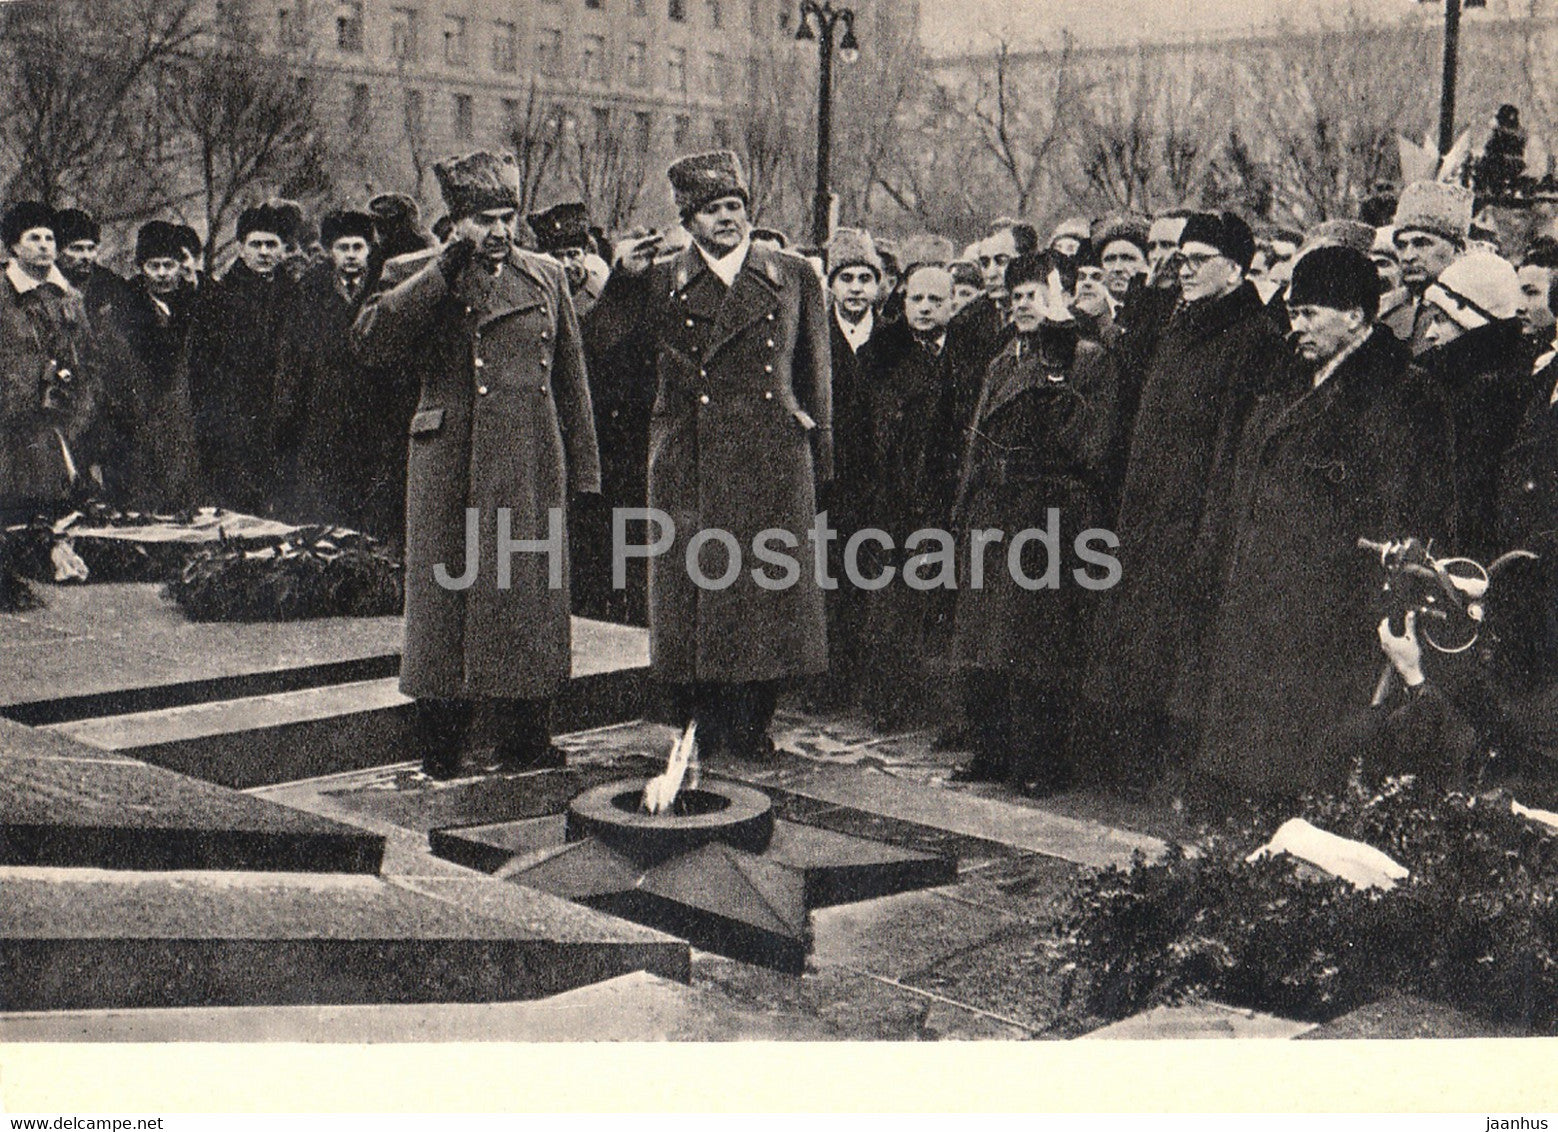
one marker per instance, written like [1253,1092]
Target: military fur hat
[1224,231]
[478,182]
[395,207]
[345,222]
[927,248]
[72,224]
[562,226]
[265,218]
[1073,227]
[157,239]
[1032,268]
[1353,234]
[1131,229]
[852,247]
[1335,276]
[189,239]
[1435,207]
[24,216]
[703,178]
[966,273]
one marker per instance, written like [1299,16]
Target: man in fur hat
[502,436]
[563,232]
[736,334]
[235,352]
[79,239]
[1431,226]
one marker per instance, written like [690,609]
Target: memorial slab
[76,939]
[106,812]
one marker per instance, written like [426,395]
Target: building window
[505,47]
[414,113]
[592,59]
[716,14]
[600,122]
[464,115]
[360,110]
[549,50]
[641,8]
[403,35]
[722,133]
[348,26]
[456,47]
[676,10]
[719,74]
[784,19]
[596,4]
[681,130]
[633,63]
[643,129]
[676,69]
[510,112]
[289,28]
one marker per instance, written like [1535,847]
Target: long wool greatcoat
[504,422]
[739,437]
[1295,645]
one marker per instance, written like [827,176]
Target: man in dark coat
[341,426]
[913,469]
[563,232]
[854,286]
[501,437]
[236,348]
[79,239]
[1038,454]
[1346,448]
[737,335]
[48,393]
[1217,353]
[147,340]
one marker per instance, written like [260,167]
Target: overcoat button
[690,322]
[545,335]
[770,343]
[703,373]
[704,399]
[480,363]
[545,362]
[482,389]
[1530,485]
[768,394]
[770,316]
[768,369]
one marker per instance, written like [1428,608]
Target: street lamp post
[827,18]
[1452,41]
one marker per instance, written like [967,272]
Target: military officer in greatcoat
[736,335]
[502,435]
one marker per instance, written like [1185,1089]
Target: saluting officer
[502,434]
[736,336]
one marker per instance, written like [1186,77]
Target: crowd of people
[1235,408]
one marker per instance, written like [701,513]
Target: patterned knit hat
[1435,207]
[1476,289]
[703,178]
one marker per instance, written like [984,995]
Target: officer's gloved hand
[457,254]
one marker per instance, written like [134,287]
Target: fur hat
[72,224]
[189,239]
[1131,229]
[345,222]
[1224,231]
[1436,207]
[703,178]
[1075,227]
[561,226]
[852,247]
[478,182]
[1385,243]
[1476,289]
[772,235]
[394,208]
[157,239]
[1033,268]
[264,218]
[926,248]
[1353,234]
[1336,276]
[24,216]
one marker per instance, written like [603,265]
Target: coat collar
[1366,371]
[753,296]
[1027,362]
[520,286]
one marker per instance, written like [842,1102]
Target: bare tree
[80,121]
[538,138]
[611,167]
[248,124]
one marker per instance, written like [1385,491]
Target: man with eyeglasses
[1218,351]
[1432,222]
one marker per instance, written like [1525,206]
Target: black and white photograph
[720,522]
